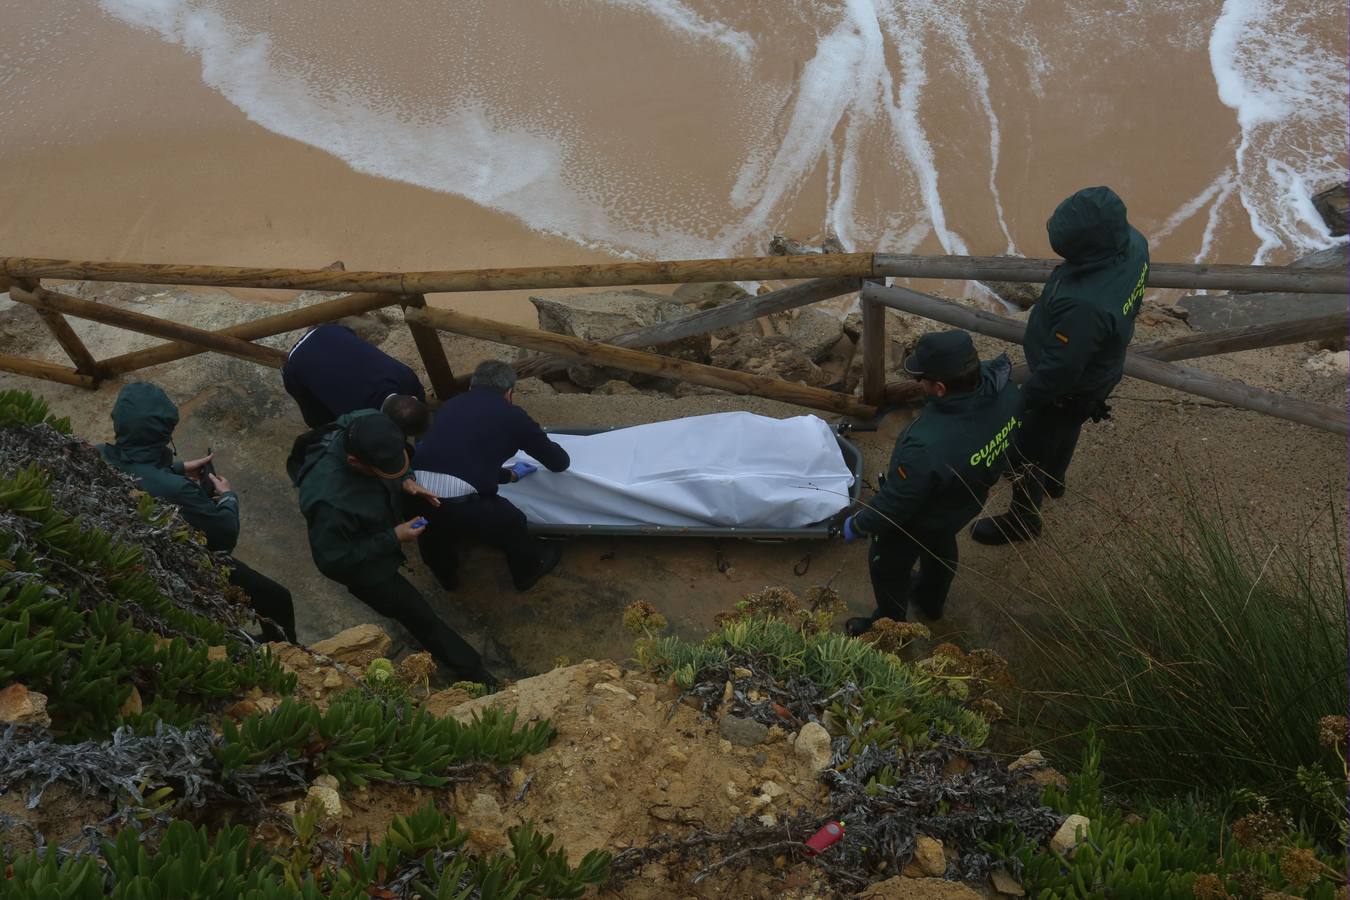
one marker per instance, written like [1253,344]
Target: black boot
[858,625]
[1054,488]
[550,552]
[1008,528]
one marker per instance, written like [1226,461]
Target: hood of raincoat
[1089,228]
[143,421]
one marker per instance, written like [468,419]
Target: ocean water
[692,128]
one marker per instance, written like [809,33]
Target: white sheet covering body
[731,469]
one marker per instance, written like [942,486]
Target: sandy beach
[526,134]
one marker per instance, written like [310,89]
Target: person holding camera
[143,419]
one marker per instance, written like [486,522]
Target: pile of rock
[813,345]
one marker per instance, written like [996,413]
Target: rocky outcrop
[595,317]
[20,706]
[773,357]
[1334,205]
[356,646]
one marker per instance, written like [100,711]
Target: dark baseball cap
[941,355]
[376,441]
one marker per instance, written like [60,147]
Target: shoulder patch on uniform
[1061,337]
[900,470]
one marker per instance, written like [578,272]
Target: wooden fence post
[1168,374]
[638,361]
[430,348]
[134,321]
[34,369]
[874,352]
[267,326]
[65,336]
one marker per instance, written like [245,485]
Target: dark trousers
[269,599]
[311,410]
[396,598]
[1045,445]
[494,521]
[890,560]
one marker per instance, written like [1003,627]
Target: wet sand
[144,162]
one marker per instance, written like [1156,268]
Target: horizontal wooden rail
[1248,337]
[47,371]
[754,268]
[708,320]
[751,268]
[637,361]
[1181,378]
[1160,275]
[267,326]
[80,308]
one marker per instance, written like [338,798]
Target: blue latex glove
[851,533]
[521,469]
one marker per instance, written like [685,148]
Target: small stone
[1005,883]
[1029,760]
[355,646]
[813,745]
[613,689]
[486,812]
[742,732]
[731,790]
[676,757]
[333,679]
[24,707]
[728,691]
[241,710]
[741,672]
[217,653]
[772,790]
[610,783]
[929,856]
[780,861]
[326,801]
[768,820]
[775,734]
[724,745]
[1070,834]
[327,781]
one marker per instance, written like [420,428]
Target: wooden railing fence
[822,277]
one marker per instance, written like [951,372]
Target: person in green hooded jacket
[1075,345]
[143,419]
[939,475]
[353,490]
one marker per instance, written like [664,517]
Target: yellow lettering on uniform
[996,445]
[1137,294]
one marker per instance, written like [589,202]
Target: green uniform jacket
[143,421]
[1082,324]
[947,459]
[351,515]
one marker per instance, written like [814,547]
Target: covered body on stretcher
[731,472]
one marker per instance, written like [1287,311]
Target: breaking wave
[861,135]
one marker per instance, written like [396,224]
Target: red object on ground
[827,835]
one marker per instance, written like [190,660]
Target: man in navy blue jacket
[460,460]
[330,372]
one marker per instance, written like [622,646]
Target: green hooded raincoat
[143,421]
[1082,324]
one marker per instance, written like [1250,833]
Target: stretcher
[835,487]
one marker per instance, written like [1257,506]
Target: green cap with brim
[376,441]
[942,355]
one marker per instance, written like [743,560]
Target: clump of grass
[1205,662]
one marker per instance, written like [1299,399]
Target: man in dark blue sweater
[460,460]
[331,372]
